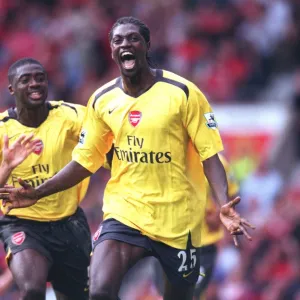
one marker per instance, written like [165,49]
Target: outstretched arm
[70,175]
[95,140]
[216,176]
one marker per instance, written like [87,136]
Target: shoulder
[104,91]
[63,107]
[4,116]
[182,83]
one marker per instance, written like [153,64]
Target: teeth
[126,53]
[35,94]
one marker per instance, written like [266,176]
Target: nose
[33,83]
[125,43]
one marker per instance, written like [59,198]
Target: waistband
[79,211]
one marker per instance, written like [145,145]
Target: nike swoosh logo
[188,274]
[111,110]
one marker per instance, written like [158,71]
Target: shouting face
[129,49]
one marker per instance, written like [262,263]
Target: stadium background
[245,56]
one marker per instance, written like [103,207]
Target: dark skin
[30,89]
[126,38]
[216,176]
[114,257]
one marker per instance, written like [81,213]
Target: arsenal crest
[135,117]
[38,148]
[18,238]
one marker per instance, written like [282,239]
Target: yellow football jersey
[149,189]
[59,134]
[209,237]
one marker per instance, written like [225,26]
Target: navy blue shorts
[65,243]
[180,265]
[207,265]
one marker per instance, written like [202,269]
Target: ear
[11,90]
[111,51]
[148,45]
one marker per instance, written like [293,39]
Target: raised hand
[18,197]
[234,223]
[16,153]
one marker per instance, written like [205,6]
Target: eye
[117,41]
[24,80]
[40,78]
[134,38]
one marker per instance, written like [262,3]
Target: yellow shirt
[209,237]
[59,135]
[149,189]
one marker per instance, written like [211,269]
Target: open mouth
[35,95]
[128,60]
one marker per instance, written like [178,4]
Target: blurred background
[245,56]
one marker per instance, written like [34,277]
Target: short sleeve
[75,114]
[95,140]
[201,124]
[78,121]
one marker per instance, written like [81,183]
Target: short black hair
[19,63]
[143,28]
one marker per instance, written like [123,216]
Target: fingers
[9,207]
[235,240]
[8,186]
[5,206]
[27,139]
[24,184]
[5,194]
[6,190]
[19,140]
[245,222]
[240,231]
[4,197]
[32,145]
[23,140]
[244,231]
[231,204]
[234,202]
[237,232]
[5,201]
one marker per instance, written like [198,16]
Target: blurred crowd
[232,49]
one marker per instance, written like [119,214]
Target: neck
[32,117]
[138,84]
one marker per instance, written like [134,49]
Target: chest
[53,137]
[151,113]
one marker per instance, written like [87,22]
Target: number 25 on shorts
[182,255]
